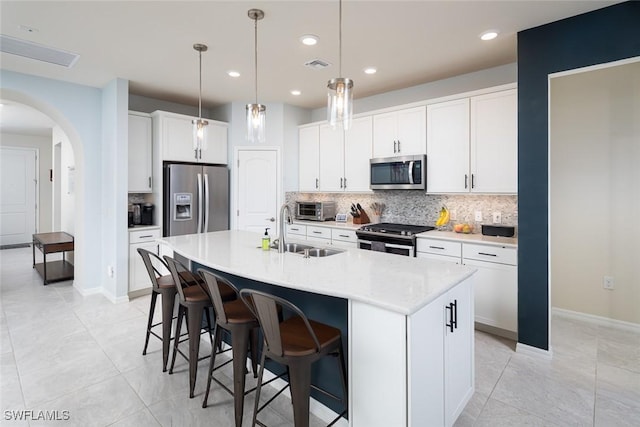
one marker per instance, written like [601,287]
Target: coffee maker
[146,215]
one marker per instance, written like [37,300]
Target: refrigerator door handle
[199,230]
[205,228]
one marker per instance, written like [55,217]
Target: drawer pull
[484,253]
[436,247]
[317,232]
[343,235]
[145,237]
[295,229]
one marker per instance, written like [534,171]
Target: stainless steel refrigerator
[196,198]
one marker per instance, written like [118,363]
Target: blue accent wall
[602,36]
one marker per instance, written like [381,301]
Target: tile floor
[61,351]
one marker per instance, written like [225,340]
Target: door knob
[272,219]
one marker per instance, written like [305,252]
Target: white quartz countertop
[393,282]
[511,242]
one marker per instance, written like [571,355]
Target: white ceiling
[150,43]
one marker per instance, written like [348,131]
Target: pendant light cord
[340,42]
[200,89]
[255,23]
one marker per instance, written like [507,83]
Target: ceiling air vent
[317,64]
[37,51]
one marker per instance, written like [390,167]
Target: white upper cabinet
[175,139]
[472,144]
[357,153]
[331,159]
[494,142]
[140,160]
[448,147]
[399,133]
[309,158]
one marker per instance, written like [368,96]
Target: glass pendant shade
[340,102]
[199,133]
[256,114]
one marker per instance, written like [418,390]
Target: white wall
[45,187]
[68,177]
[594,191]
[115,149]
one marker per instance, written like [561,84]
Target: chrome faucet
[281,232]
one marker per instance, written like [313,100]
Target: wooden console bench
[48,243]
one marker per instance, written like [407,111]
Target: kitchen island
[410,321]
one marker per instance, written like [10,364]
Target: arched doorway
[70,133]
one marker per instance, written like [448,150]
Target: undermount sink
[293,247]
[320,252]
[299,248]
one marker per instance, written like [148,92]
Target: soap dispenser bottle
[266,240]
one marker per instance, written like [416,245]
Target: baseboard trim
[529,350]
[87,292]
[494,330]
[598,320]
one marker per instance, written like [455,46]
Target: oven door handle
[392,245]
[411,165]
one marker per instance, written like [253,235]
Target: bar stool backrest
[266,308]
[182,276]
[156,267]
[213,282]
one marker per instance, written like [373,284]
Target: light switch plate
[478,216]
[497,217]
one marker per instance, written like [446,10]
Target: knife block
[362,219]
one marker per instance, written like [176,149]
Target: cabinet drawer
[320,232]
[298,229]
[442,247]
[344,235]
[142,236]
[500,254]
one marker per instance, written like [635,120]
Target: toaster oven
[316,211]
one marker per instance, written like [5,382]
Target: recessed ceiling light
[489,35]
[28,29]
[370,70]
[233,73]
[296,92]
[309,39]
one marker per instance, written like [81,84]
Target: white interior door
[17,195]
[257,190]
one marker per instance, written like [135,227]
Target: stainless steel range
[392,238]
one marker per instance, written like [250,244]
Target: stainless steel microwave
[316,211]
[398,173]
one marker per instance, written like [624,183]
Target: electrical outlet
[497,217]
[110,271]
[478,216]
[453,215]
[607,282]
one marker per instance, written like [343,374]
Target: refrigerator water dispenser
[182,207]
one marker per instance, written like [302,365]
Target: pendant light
[340,94]
[256,112]
[199,125]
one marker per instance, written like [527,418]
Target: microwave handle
[411,164]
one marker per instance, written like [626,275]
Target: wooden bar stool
[193,301]
[236,318]
[162,284]
[297,343]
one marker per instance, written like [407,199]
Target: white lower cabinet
[323,235]
[495,284]
[429,360]
[145,239]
